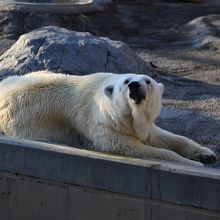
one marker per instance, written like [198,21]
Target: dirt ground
[180,39]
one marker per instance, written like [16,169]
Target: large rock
[203,32]
[61,50]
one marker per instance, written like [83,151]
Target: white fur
[77,110]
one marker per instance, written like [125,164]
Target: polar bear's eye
[126,81]
[147,81]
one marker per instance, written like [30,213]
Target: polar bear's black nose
[136,92]
[134,85]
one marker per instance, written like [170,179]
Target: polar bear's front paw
[204,155]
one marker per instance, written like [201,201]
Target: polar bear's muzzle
[136,92]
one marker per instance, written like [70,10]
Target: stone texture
[28,198]
[77,7]
[148,179]
[204,31]
[58,182]
[60,50]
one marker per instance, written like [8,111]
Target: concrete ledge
[145,179]
[78,7]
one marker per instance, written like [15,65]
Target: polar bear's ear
[109,90]
[161,88]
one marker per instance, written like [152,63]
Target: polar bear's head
[130,92]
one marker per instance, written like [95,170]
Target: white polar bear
[104,111]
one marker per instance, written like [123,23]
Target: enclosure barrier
[47,181]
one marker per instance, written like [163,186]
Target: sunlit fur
[80,111]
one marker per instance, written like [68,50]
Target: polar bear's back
[45,77]
[30,102]
[35,79]
[17,83]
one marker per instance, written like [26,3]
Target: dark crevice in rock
[59,68]
[40,46]
[107,60]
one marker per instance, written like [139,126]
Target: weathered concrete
[28,198]
[61,50]
[144,188]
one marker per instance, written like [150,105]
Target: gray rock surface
[204,31]
[78,7]
[61,50]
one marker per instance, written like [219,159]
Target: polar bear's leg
[148,152]
[111,141]
[182,145]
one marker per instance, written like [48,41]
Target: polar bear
[103,111]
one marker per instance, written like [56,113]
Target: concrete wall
[46,181]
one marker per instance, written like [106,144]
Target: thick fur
[93,111]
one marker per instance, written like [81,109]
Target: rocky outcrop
[204,32]
[61,50]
